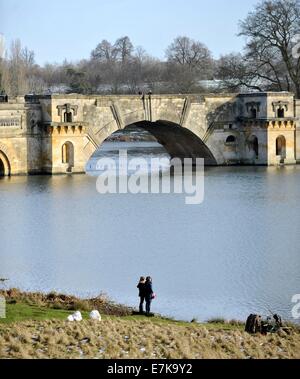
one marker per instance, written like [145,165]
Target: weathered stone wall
[13,131]
[282,127]
[289,136]
[46,109]
[15,150]
[284,97]
[53,147]
[219,118]
[32,132]
[195,113]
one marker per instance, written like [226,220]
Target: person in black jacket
[141,286]
[148,294]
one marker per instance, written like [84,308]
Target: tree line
[270,61]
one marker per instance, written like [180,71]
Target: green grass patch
[23,312]
[17,312]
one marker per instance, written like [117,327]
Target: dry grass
[121,335]
[124,338]
[65,302]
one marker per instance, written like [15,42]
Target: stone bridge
[59,133]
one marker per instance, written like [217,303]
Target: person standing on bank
[149,294]
[142,293]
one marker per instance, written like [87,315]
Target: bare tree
[123,49]
[188,62]
[104,52]
[16,83]
[271,31]
[19,73]
[28,57]
[187,52]
[237,72]
[3,73]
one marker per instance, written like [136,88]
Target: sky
[71,29]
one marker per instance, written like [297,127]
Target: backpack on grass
[254,324]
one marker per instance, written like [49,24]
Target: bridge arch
[5,169]
[179,142]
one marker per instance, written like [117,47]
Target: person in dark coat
[141,286]
[148,294]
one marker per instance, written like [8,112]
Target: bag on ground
[95,315]
[75,317]
[254,324]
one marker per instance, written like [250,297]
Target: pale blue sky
[58,29]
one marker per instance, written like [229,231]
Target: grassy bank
[35,327]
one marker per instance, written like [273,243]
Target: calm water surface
[238,252]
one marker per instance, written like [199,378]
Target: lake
[238,252]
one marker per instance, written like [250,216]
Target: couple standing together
[146,294]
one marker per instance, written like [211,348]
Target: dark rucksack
[253,324]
